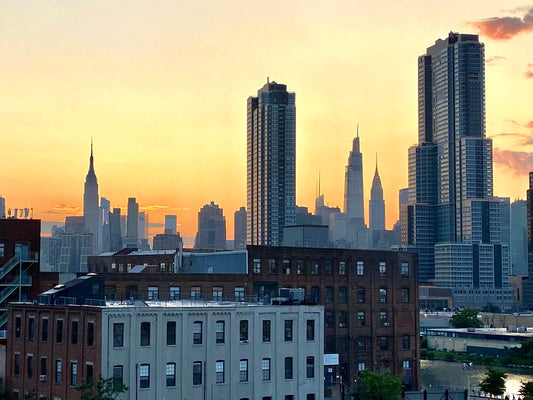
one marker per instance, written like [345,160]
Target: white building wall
[185,352]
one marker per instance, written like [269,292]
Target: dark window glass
[29,366]
[118,334]
[361,320]
[57,377]
[328,267]
[18,324]
[384,342]
[16,371]
[59,331]
[73,374]
[343,296]
[44,330]
[90,333]
[329,317]
[405,295]
[31,328]
[197,332]
[343,319]
[406,342]
[361,344]
[171,333]
[118,376]
[220,332]
[89,371]
[197,373]
[360,295]
[310,331]
[145,333]
[288,367]
[329,294]
[43,366]
[74,332]
[266,330]
[288,330]
[243,331]
[310,367]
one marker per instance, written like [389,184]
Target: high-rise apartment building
[115,230]
[528,284]
[271,164]
[239,228]
[132,224]
[211,228]
[90,201]
[519,238]
[451,200]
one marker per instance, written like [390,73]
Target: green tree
[493,382]
[100,389]
[375,386]
[466,318]
[526,350]
[526,390]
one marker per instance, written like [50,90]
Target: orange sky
[162,88]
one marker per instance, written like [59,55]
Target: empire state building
[90,201]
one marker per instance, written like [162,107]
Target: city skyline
[167,126]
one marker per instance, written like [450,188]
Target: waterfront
[443,374]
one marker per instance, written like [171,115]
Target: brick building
[370,297]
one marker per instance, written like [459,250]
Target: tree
[526,390]
[100,389]
[493,382]
[466,318]
[526,350]
[379,386]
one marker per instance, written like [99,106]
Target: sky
[161,88]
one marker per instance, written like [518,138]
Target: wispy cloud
[529,73]
[518,162]
[63,209]
[504,28]
[529,125]
[494,60]
[524,139]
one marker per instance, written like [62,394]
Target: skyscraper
[519,238]
[171,222]
[115,230]
[211,228]
[239,228]
[376,205]
[452,216]
[2,207]
[90,201]
[271,164]
[528,283]
[353,185]
[132,224]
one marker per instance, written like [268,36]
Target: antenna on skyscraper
[318,183]
[358,130]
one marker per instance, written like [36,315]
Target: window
[162,267]
[219,371]
[89,371]
[329,295]
[286,267]
[382,295]
[310,396]
[217,293]
[272,266]
[257,266]
[361,320]
[118,334]
[196,293]
[243,371]
[342,344]
[197,373]
[266,398]
[343,297]
[288,367]
[59,331]
[300,267]
[73,373]
[74,332]
[29,365]
[219,332]
[315,269]
[2,247]
[57,377]
[384,365]
[405,295]
[31,328]
[360,269]
[171,374]
[239,293]
[383,318]
[118,376]
[16,368]
[310,330]
[243,331]
[406,342]
[361,366]
[145,333]
[329,319]
[153,292]
[383,342]
[18,324]
[404,268]
[144,376]
[382,268]
[289,397]
[406,364]
[43,366]
[328,267]
[90,333]
[361,344]
[266,330]
[131,292]
[171,333]
[315,294]
[329,344]
[343,319]
[197,332]
[174,293]
[360,295]
[310,367]
[342,268]
[265,368]
[44,329]
[288,330]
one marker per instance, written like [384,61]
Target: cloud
[525,139]
[518,162]
[529,125]
[63,209]
[154,207]
[494,60]
[529,73]
[504,28]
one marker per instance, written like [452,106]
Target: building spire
[91,161]
[357,130]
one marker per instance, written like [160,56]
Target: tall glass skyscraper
[451,202]
[271,164]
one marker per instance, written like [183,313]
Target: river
[444,374]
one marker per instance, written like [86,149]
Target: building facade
[239,229]
[174,349]
[353,185]
[271,164]
[132,224]
[211,228]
